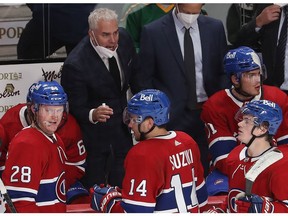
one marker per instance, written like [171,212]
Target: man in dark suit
[53,26]
[237,16]
[97,98]
[266,27]
[163,65]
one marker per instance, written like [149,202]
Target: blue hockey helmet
[148,103]
[29,94]
[242,59]
[49,93]
[262,111]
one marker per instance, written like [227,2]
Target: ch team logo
[231,199]
[60,188]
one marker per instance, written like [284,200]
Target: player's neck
[157,132]
[240,96]
[257,147]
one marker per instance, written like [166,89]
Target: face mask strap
[97,44]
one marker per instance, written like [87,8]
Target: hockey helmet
[49,93]
[148,103]
[262,111]
[242,59]
[29,94]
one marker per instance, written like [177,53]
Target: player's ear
[264,127]
[148,124]
[235,81]
[32,108]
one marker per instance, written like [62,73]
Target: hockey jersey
[271,182]
[221,127]
[163,175]
[14,121]
[35,173]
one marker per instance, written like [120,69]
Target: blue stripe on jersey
[166,201]
[282,140]
[21,194]
[46,192]
[202,194]
[222,147]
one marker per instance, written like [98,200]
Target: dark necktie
[280,52]
[189,63]
[114,70]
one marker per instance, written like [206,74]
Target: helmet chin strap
[253,137]
[143,134]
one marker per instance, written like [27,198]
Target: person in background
[166,65]
[266,27]
[238,16]
[53,26]
[246,73]
[34,172]
[3,144]
[171,177]
[21,116]
[96,76]
[148,13]
[126,10]
[257,182]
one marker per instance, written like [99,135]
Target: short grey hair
[101,14]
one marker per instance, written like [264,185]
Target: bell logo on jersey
[146,97]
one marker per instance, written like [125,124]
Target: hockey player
[244,68]
[256,170]
[163,172]
[18,117]
[14,120]
[34,172]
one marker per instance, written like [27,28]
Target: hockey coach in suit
[97,98]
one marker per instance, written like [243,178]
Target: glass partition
[49,31]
